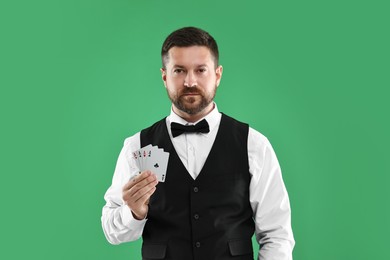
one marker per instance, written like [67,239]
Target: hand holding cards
[137,191]
[152,158]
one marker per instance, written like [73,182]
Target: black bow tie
[201,127]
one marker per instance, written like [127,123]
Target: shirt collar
[213,118]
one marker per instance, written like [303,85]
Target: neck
[193,117]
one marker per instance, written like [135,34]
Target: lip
[191,94]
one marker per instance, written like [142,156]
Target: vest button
[197,244]
[196,216]
[196,189]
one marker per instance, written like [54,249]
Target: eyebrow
[178,66]
[182,67]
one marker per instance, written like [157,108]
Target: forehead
[189,56]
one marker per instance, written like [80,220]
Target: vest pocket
[154,251]
[240,247]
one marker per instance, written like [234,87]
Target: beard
[191,104]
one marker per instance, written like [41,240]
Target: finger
[135,192]
[143,183]
[142,191]
[136,179]
[145,198]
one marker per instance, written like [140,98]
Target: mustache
[193,90]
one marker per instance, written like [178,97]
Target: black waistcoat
[209,218]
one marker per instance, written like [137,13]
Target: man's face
[191,78]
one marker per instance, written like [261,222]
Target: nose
[190,80]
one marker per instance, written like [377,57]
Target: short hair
[187,37]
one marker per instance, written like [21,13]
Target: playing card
[152,158]
[144,156]
[139,159]
[135,156]
[158,163]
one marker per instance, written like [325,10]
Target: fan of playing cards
[152,158]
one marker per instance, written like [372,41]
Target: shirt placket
[191,155]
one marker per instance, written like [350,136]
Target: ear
[218,73]
[164,76]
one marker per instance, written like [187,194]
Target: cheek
[208,82]
[175,82]
[172,85]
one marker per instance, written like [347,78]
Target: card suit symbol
[156,165]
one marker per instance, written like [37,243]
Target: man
[223,183]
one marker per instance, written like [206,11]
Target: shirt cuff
[129,220]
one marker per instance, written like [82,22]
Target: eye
[178,70]
[202,70]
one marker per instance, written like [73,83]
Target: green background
[78,77]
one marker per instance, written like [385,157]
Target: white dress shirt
[268,195]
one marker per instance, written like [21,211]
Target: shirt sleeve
[269,201]
[118,222]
